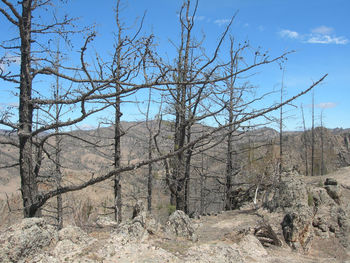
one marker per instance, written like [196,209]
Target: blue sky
[317,30]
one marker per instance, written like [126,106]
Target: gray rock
[291,192]
[139,228]
[179,224]
[24,240]
[297,229]
[344,227]
[104,221]
[334,192]
[330,181]
[214,253]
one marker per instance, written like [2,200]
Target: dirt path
[224,225]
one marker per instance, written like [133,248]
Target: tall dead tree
[322,145]
[37,60]
[281,126]
[313,135]
[22,15]
[116,72]
[305,139]
[94,87]
[58,172]
[233,101]
[188,100]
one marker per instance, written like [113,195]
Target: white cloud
[200,18]
[221,22]
[326,39]
[196,18]
[261,28]
[318,35]
[8,60]
[323,30]
[289,34]
[326,105]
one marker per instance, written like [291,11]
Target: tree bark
[29,186]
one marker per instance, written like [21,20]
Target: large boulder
[22,241]
[213,253]
[179,224]
[289,193]
[343,233]
[297,229]
[331,219]
[293,199]
[72,244]
[333,189]
[106,222]
[139,227]
[252,248]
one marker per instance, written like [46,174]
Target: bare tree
[187,83]
[322,145]
[305,139]
[313,135]
[281,126]
[33,57]
[234,98]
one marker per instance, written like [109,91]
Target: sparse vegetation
[310,199]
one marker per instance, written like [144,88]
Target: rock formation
[179,224]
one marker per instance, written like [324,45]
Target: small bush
[310,199]
[171,209]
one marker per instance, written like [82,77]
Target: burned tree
[190,84]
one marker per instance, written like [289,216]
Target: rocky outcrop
[333,189]
[34,240]
[179,224]
[332,215]
[291,192]
[106,222]
[139,227]
[297,229]
[24,240]
[310,211]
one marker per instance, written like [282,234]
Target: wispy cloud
[286,33]
[318,35]
[324,30]
[8,60]
[200,18]
[261,28]
[9,105]
[222,22]
[326,39]
[196,18]
[326,105]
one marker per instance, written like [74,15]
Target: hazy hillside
[256,153]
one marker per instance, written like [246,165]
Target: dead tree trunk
[306,143]
[322,146]
[29,186]
[229,156]
[58,173]
[313,135]
[281,128]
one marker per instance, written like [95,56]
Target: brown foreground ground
[219,237]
